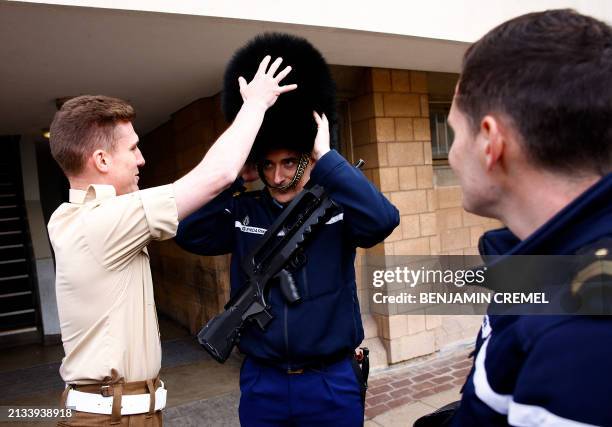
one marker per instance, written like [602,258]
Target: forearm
[222,163]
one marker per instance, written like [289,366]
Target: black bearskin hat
[289,123]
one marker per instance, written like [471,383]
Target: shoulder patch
[596,270]
[590,290]
[250,230]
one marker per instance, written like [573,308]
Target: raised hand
[321,142]
[265,87]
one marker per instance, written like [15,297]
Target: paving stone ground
[45,377]
[415,381]
[206,394]
[200,413]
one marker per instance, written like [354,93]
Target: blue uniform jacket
[327,320]
[545,370]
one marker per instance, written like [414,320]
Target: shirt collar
[94,192]
[583,221]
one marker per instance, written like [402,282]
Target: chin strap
[302,163]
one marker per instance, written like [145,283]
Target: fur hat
[289,123]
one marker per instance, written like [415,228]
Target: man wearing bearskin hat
[299,370]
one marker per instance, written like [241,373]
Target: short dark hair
[83,125]
[550,73]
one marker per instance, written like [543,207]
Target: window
[343,131]
[441,90]
[441,133]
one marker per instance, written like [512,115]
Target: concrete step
[12,251]
[11,238]
[19,283]
[7,187]
[16,302]
[8,197]
[17,319]
[18,331]
[13,267]
[19,336]
[13,294]
[17,312]
[9,210]
[10,224]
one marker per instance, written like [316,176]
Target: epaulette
[252,194]
[592,283]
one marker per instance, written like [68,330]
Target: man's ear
[101,160]
[494,140]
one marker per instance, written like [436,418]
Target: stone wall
[390,128]
[188,288]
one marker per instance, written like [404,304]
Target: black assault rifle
[279,247]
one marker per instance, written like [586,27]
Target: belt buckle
[295,371]
[105,391]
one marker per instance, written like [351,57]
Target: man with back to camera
[103,278]
[299,371]
[532,116]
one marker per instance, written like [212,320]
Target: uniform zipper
[287,335]
[305,282]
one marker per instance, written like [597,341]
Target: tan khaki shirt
[103,280]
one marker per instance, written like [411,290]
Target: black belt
[316,363]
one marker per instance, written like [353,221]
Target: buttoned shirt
[103,280]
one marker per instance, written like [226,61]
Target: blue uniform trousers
[330,396]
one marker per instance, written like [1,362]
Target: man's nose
[278,176]
[141,161]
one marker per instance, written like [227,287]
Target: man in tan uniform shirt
[103,278]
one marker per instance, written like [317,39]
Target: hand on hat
[321,142]
[265,88]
